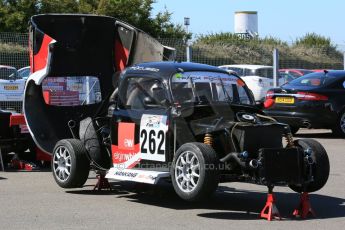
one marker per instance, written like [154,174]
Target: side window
[243,95]
[144,93]
[266,72]
[248,72]
[295,75]
[223,92]
[239,71]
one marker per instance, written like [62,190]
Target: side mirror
[149,101]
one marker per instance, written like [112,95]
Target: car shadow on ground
[231,203]
[3,178]
[116,189]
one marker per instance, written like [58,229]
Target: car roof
[247,66]
[7,67]
[166,69]
[294,69]
[332,73]
[26,67]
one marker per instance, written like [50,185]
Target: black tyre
[339,128]
[294,129]
[70,165]
[194,171]
[320,168]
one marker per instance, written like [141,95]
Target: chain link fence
[14,49]
[14,52]
[297,57]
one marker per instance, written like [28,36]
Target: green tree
[15,14]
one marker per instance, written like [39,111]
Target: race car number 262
[153,130]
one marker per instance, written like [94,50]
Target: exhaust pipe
[307,124]
[254,164]
[238,158]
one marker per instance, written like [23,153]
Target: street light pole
[187,23]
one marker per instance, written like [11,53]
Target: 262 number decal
[152,142]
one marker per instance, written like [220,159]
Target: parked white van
[259,78]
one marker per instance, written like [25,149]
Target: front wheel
[320,167]
[194,171]
[70,164]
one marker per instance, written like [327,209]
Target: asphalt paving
[32,200]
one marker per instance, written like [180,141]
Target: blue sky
[284,19]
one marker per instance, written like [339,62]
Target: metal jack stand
[304,208]
[270,211]
[102,182]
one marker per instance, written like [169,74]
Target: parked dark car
[316,100]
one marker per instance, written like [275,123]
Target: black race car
[191,124]
[316,100]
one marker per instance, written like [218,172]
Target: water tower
[246,23]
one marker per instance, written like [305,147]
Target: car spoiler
[79,45]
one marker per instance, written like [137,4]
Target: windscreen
[262,72]
[208,87]
[313,80]
[8,73]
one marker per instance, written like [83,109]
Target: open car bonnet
[75,63]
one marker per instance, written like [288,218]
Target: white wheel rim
[62,163]
[187,171]
[342,123]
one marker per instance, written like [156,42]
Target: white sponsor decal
[144,68]
[129,143]
[137,175]
[153,130]
[205,77]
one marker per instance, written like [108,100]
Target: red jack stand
[102,182]
[304,207]
[22,165]
[270,211]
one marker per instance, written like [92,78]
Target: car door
[265,80]
[140,136]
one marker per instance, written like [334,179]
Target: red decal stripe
[121,56]
[41,58]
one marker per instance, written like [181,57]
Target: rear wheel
[194,172]
[320,167]
[70,164]
[339,128]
